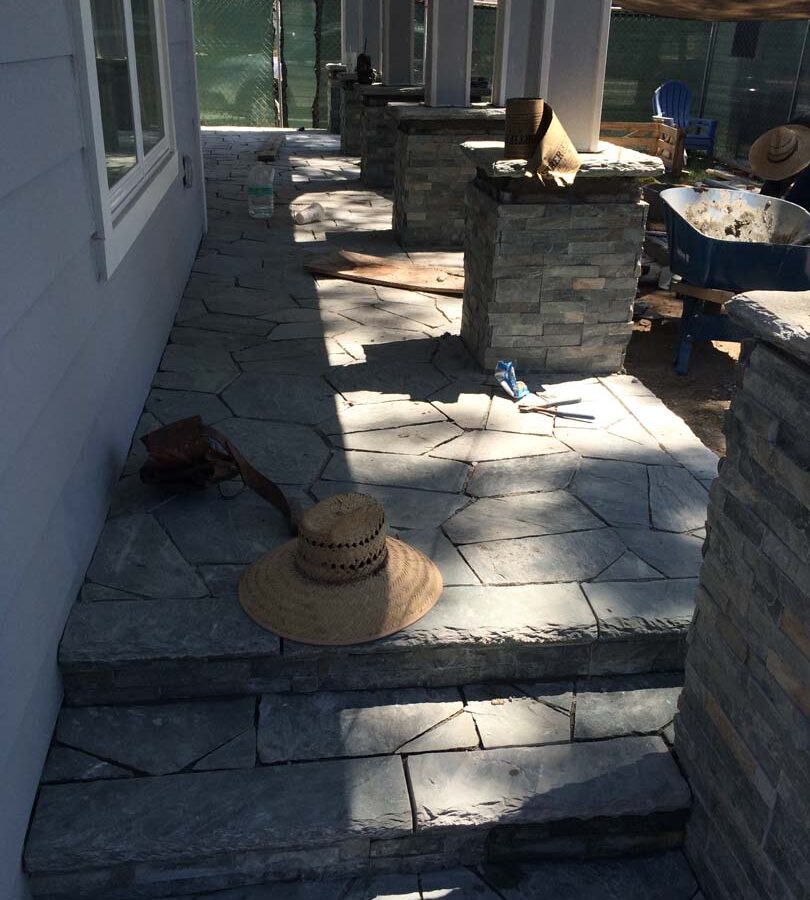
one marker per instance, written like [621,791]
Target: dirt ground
[702,397]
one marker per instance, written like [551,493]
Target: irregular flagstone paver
[156,740]
[238,753]
[372,416]
[519,515]
[222,580]
[67,764]
[497,478]
[210,529]
[675,555]
[624,776]
[412,439]
[373,317]
[229,323]
[381,887]
[424,313]
[169,406]
[354,723]
[281,397]
[522,614]
[629,567]
[677,500]
[189,309]
[220,340]
[454,360]
[306,348]
[396,470]
[609,707]
[289,454]
[458,884]
[90,593]
[666,876]
[131,631]
[505,415]
[182,358]
[82,826]
[387,347]
[457,732]
[135,554]
[315,366]
[616,491]
[479,446]
[132,496]
[467,407]
[626,609]
[404,507]
[239,301]
[507,717]
[327,326]
[210,381]
[576,556]
[375,382]
[597,444]
[435,545]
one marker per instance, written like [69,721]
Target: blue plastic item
[673,100]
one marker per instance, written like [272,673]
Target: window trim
[123,210]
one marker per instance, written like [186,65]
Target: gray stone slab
[326,326]
[285,453]
[281,397]
[67,764]
[223,579]
[538,785]
[644,608]
[374,317]
[424,313]
[467,406]
[281,890]
[496,478]
[209,528]
[479,446]
[675,555]
[404,507]
[90,593]
[136,555]
[229,323]
[577,556]
[507,717]
[396,470]
[616,491]
[411,439]
[240,301]
[457,732]
[238,753]
[484,616]
[83,826]
[169,406]
[433,543]
[304,350]
[120,632]
[629,567]
[354,723]
[505,415]
[610,707]
[520,515]
[375,382]
[372,416]
[778,317]
[181,358]
[217,340]
[131,496]
[384,887]
[678,501]
[155,740]
[598,444]
[209,381]
[665,876]
[456,884]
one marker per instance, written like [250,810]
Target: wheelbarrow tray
[708,257]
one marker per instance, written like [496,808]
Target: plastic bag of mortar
[507,379]
[312,213]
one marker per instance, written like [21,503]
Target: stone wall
[351,116]
[743,732]
[333,71]
[378,141]
[431,171]
[551,273]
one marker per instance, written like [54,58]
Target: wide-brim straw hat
[343,580]
[781,152]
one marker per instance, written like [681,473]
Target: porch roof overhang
[719,10]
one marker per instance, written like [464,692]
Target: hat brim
[779,171]
[275,594]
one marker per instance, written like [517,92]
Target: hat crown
[342,539]
[782,145]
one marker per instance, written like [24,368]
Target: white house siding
[76,359]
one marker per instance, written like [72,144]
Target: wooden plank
[719,10]
[378,270]
[701,293]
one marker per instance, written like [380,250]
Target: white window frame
[123,210]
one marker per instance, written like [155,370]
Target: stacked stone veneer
[351,115]
[378,141]
[551,273]
[333,71]
[431,171]
[743,733]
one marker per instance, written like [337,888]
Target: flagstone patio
[569,552]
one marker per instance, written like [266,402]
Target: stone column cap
[419,112]
[781,318]
[412,92]
[609,162]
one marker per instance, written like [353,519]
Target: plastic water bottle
[260,191]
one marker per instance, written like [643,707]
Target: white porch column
[370,30]
[522,49]
[448,52]
[576,81]
[351,41]
[396,41]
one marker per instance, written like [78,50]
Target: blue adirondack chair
[673,100]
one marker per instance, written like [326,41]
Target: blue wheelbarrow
[724,242]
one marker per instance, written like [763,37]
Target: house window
[125,63]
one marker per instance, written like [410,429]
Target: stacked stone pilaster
[351,116]
[378,142]
[743,733]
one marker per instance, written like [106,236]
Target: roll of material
[534,133]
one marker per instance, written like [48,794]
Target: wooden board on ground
[378,270]
[270,150]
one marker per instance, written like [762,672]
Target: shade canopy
[720,10]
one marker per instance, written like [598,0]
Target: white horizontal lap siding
[76,359]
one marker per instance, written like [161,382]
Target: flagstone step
[126,651]
[130,837]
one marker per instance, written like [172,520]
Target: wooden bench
[654,138]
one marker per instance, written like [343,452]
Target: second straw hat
[343,580]
[781,152]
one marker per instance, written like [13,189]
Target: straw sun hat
[342,580]
[781,152]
